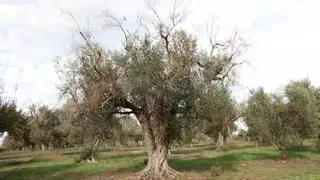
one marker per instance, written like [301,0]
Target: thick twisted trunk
[157,144]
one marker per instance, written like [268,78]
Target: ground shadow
[47,172]
[16,162]
[226,161]
[10,157]
[119,156]
[227,147]
[186,151]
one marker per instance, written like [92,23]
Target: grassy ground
[239,162]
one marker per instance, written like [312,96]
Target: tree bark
[93,149]
[157,144]
[283,153]
[225,139]
[43,147]
[220,141]
[283,150]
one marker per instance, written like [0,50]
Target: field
[240,161]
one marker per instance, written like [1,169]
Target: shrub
[86,155]
[216,170]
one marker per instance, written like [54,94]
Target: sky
[283,38]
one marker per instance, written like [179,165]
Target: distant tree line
[44,128]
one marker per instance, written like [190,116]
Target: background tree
[303,108]
[131,132]
[45,126]
[282,119]
[73,126]
[218,112]
[256,112]
[14,122]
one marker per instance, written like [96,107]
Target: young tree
[152,77]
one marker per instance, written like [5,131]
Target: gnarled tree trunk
[226,134]
[220,141]
[94,148]
[283,150]
[157,143]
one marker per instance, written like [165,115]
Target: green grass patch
[60,164]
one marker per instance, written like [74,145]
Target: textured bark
[283,153]
[43,147]
[157,144]
[220,141]
[225,139]
[283,150]
[93,150]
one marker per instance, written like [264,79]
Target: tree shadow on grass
[186,151]
[47,172]
[227,147]
[74,152]
[226,161]
[10,157]
[17,162]
[210,147]
[79,151]
[119,156]
[28,160]
[301,152]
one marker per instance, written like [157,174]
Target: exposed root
[168,173]
[173,173]
[146,173]
[91,161]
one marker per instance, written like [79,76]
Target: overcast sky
[283,36]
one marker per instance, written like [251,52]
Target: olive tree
[154,77]
[15,123]
[217,111]
[303,107]
[282,119]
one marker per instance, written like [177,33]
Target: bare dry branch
[212,31]
[153,10]
[95,51]
[115,22]
[231,67]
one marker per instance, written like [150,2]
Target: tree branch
[124,113]
[230,68]
[115,22]
[128,104]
